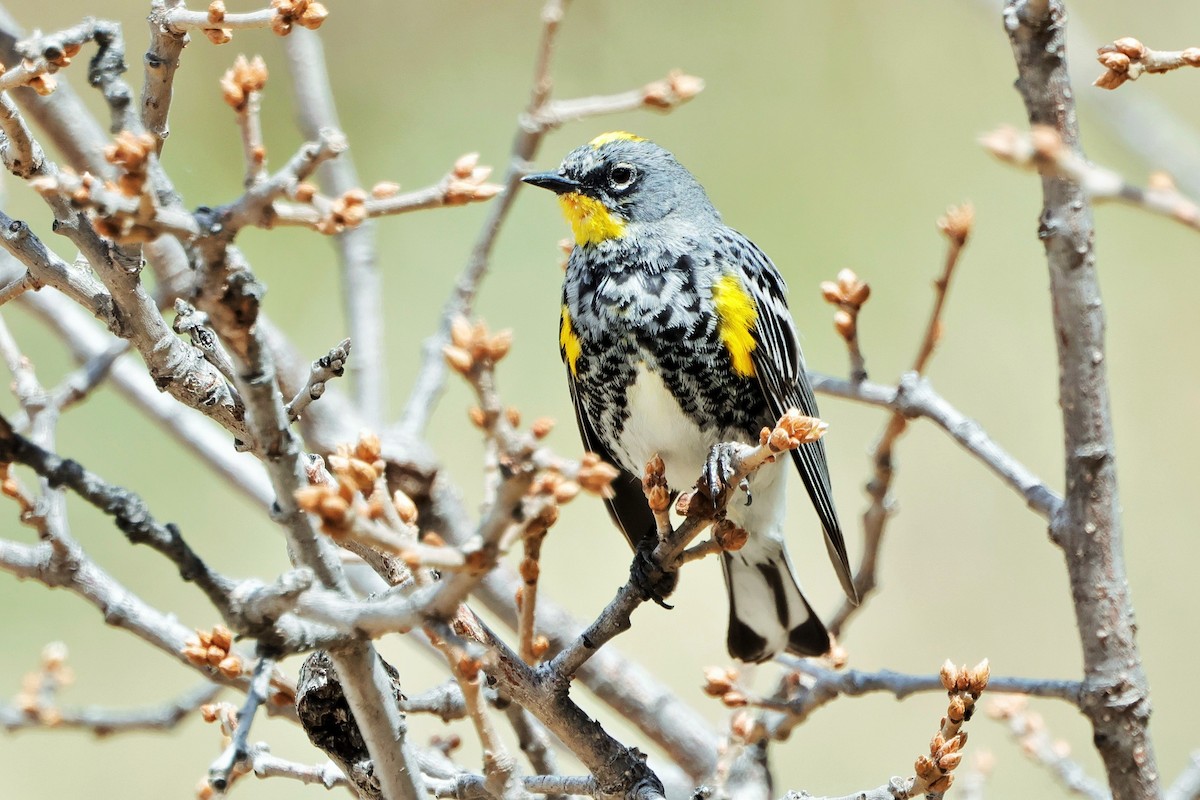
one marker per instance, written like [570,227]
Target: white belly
[657,425]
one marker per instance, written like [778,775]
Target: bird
[676,336]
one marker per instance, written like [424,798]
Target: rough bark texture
[1088,528]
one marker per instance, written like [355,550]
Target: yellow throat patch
[736,318]
[590,221]
[568,342]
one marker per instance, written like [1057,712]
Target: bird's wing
[628,506]
[779,367]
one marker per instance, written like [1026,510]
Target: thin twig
[265,765]
[329,366]
[239,748]
[915,397]
[499,768]
[1043,150]
[527,602]
[816,686]
[934,772]
[362,285]
[103,722]
[956,226]
[1127,59]
[1030,732]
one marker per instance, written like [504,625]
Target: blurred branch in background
[350,486]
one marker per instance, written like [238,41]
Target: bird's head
[617,179]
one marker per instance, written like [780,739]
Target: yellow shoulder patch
[736,318]
[615,136]
[568,342]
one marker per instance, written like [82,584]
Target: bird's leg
[718,470]
[647,574]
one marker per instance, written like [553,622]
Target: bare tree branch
[104,722]
[1127,59]
[1036,742]
[362,286]
[1116,692]
[915,397]
[1043,150]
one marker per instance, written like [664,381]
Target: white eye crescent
[622,175]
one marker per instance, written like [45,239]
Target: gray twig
[104,722]
[239,748]
[362,285]
[331,365]
[916,397]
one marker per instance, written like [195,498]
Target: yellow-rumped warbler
[676,336]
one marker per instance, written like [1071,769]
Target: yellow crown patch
[615,136]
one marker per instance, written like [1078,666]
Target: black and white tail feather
[768,612]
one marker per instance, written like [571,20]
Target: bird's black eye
[622,176]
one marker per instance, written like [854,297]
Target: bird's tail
[767,610]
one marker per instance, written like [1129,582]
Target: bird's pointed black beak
[559,184]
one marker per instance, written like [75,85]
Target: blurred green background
[834,134]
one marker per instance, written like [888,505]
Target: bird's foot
[652,580]
[719,471]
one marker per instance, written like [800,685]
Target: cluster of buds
[678,87]
[214,649]
[1042,148]
[445,744]
[551,483]
[792,430]
[722,682]
[654,485]
[38,688]
[848,293]
[957,222]
[963,685]
[467,182]
[729,536]
[1127,58]
[356,474]
[60,55]
[225,714]
[11,487]
[43,84]
[305,13]
[596,476]
[131,152]
[216,15]
[243,79]
[346,211]
[472,345]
